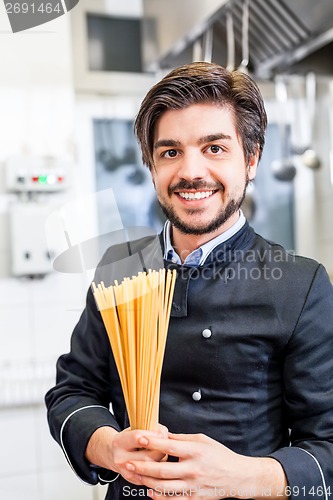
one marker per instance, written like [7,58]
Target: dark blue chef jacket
[248,361]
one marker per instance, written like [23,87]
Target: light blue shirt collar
[199,256]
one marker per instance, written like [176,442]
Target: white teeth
[196,196]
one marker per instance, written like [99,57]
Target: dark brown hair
[202,82]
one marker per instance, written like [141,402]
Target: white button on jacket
[206,333]
[196,396]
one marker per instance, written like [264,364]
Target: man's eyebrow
[166,143]
[172,143]
[213,137]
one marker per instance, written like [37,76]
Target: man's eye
[171,153]
[215,149]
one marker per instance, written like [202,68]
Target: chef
[246,405]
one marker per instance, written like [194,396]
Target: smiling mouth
[198,195]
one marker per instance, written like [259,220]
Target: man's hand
[206,469]
[111,449]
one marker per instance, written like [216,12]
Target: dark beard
[232,207]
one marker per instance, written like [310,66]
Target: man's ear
[152,179]
[253,165]
[152,174]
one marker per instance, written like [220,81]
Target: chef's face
[199,173]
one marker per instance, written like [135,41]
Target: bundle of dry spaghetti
[136,316]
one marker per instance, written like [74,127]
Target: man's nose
[192,166]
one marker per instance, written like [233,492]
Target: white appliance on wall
[35,183]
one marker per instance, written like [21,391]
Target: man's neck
[184,244]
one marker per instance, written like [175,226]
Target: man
[246,391]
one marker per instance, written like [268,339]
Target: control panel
[36,174]
[37,182]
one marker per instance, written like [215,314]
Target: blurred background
[70,170]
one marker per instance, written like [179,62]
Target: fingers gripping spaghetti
[136,316]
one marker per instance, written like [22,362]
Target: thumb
[162,430]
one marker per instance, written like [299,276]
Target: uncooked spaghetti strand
[144,361]
[167,302]
[121,311]
[161,337]
[106,303]
[158,338]
[118,354]
[147,353]
[122,318]
[128,332]
[141,365]
[158,296]
[146,350]
[136,281]
[169,280]
[162,306]
[154,403]
[171,288]
[114,333]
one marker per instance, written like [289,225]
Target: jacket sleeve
[79,403]
[308,378]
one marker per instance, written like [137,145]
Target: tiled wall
[32,465]
[36,320]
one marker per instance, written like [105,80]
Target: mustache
[195,185]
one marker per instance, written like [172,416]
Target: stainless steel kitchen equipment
[283,36]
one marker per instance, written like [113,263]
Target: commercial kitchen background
[51,106]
